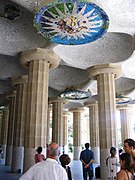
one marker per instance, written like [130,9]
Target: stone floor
[5,173]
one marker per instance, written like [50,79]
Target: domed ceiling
[18,34]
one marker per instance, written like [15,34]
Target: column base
[17,159]
[29,161]
[8,160]
[104,153]
[96,152]
[76,153]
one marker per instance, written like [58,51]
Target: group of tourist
[126,160]
[49,168]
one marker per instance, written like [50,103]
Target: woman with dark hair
[65,160]
[127,167]
[39,156]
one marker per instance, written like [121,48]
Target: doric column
[12,98]
[105,75]
[21,85]
[1,116]
[125,121]
[4,130]
[38,61]
[76,132]
[94,129]
[48,123]
[65,131]
[57,121]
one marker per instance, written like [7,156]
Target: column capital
[11,95]
[125,106]
[110,68]
[19,80]
[40,54]
[66,113]
[91,103]
[58,99]
[76,109]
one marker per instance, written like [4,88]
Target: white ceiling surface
[116,46]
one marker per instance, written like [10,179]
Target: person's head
[126,162]
[113,151]
[87,145]
[64,159]
[129,145]
[39,150]
[53,150]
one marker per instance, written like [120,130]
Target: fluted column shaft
[1,116]
[125,121]
[48,124]
[9,147]
[36,120]
[105,75]
[20,120]
[4,131]
[76,132]
[65,132]
[57,121]
[94,129]
[38,61]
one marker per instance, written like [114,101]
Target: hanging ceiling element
[120,99]
[71,22]
[74,94]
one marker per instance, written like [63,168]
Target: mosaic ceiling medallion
[71,22]
[120,99]
[72,94]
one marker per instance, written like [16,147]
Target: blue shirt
[87,155]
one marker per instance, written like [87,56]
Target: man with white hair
[48,169]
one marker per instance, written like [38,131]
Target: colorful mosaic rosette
[71,22]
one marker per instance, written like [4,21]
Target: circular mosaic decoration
[75,94]
[120,99]
[71,23]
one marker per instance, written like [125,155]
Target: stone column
[65,132]
[1,116]
[76,132]
[48,123]
[4,131]
[12,98]
[94,129]
[125,121]
[105,75]
[38,61]
[57,121]
[20,84]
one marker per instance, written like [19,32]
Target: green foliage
[70,147]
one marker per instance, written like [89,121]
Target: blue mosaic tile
[71,22]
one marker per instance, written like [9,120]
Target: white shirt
[47,170]
[112,164]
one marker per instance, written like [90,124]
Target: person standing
[112,162]
[87,159]
[65,160]
[48,169]
[39,157]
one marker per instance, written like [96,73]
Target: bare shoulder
[121,175]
